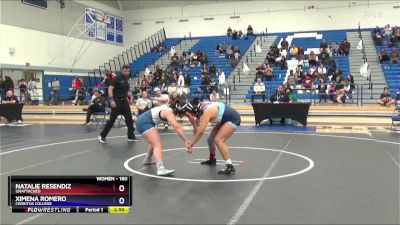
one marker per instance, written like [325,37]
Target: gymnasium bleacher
[392,73]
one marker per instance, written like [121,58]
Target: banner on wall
[103,27]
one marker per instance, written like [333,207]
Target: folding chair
[396,119]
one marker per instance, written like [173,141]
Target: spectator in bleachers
[214,96]
[181,80]
[144,83]
[229,32]
[235,35]
[340,92]
[378,36]
[321,70]
[213,84]
[383,56]
[307,83]
[294,51]
[385,99]
[312,59]
[323,57]
[300,53]
[269,72]
[332,92]
[159,98]
[143,103]
[322,92]
[397,32]
[313,71]
[173,87]
[212,70]
[249,30]
[350,78]
[76,86]
[397,100]
[292,79]
[394,56]
[393,41]
[97,105]
[205,82]
[324,45]
[258,90]
[174,60]
[299,74]
[283,63]
[270,58]
[344,48]
[259,73]
[334,48]
[187,79]
[284,44]
[387,31]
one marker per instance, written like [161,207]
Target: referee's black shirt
[121,87]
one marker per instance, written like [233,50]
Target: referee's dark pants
[122,107]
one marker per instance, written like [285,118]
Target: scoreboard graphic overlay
[70,194]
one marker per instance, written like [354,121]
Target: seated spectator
[229,32]
[294,51]
[159,98]
[340,92]
[97,105]
[344,48]
[143,103]
[307,83]
[187,79]
[214,96]
[174,60]
[259,90]
[332,92]
[324,45]
[291,94]
[259,74]
[394,56]
[385,99]
[249,30]
[321,70]
[292,79]
[300,53]
[387,32]
[284,44]
[393,41]
[280,96]
[323,57]
[312,59]
[270,57]
[383,56]
[269,72]
[322,92]
[299,74]
[397,100]
[397,33]
[212,70]
[10,98]
[378,36]
[334,48]
[313,71]
[283,63]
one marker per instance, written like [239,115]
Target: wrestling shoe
[210,162]
[229,169]
[133,139]
[102,139]
[164,172]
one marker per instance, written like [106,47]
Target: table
[11,111]
[294,111]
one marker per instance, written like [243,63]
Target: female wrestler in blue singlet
[227,121]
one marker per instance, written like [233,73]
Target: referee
[117,96]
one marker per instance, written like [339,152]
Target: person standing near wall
[118,98]
[55,85]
